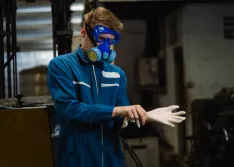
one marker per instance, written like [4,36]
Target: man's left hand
[165,115]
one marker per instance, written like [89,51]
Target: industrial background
[173,52]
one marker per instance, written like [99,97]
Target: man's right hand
[135,112]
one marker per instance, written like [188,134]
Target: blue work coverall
[85,95]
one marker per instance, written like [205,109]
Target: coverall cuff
[105,112]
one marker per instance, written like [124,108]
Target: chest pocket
[83,91]
[110,85]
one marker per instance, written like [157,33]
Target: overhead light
[76,6]
[76,19]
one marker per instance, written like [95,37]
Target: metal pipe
[8,43]
[53,7]
[2,74]
[14,47]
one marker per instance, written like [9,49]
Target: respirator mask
[101,52]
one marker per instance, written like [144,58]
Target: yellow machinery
[25,137]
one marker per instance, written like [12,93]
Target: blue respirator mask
[101,52]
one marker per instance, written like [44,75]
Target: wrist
[116,112]
[148,117]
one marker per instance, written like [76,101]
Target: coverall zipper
[101,124]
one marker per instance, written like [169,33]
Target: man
[91,98]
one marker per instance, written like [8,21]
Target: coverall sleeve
[67,105]
[122,100]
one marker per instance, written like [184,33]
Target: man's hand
[134,112]
[165,115]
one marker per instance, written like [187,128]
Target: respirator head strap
[89,31]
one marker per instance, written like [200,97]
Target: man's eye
[101,38]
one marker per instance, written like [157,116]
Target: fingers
[134,121]
[173,120]
[169,124]
[133,114]
[176,119]
[130,113]
[141,113]
[137,113]
[126,119]
[179,118]
[138,123]
[173,107]
[179,113]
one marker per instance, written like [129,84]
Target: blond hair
[103,16]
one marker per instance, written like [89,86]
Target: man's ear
[83,32]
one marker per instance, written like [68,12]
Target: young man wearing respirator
[90,96]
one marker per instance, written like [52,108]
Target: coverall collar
[82,55]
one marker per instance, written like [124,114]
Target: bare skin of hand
[135,112]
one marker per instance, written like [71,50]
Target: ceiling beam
[142,9]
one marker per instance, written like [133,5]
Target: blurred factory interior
[173,52]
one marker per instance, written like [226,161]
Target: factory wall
[208,56]
[130,48]
[171,23]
